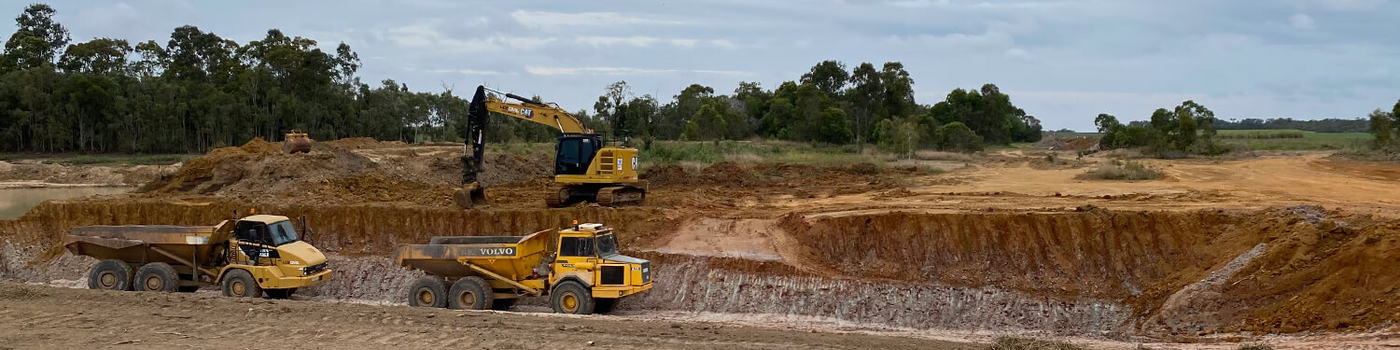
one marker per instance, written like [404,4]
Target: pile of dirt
[1081,143]
[1051,142]
[730,173]
[345,171]
[667,175]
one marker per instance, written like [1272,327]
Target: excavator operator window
[574,154]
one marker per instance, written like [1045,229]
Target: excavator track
[559,196]
[617,196]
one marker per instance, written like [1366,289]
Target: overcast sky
[1062,61]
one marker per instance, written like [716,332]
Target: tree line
[828,104]
[197,91]
[1329,125]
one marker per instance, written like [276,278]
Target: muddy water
[15,201]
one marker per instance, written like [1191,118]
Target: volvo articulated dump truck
[249,257]
[583,275]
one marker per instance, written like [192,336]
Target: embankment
[1090,272]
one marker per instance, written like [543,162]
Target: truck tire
[603,306]
[279,293]
[428,291]
[571,298]
[240,284]
[470,293]
[502,304]
[110,274]
[156,277]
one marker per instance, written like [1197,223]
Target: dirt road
[42,317]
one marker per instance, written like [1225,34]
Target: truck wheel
[502,304]
[428,291]
[279,293]
[156,277]
[604,306]
[470,293]
[110,274]
[571,298]
[240,283]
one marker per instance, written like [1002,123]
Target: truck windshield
[282,232]
[607,245]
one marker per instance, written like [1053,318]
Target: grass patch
[677,152]
[1121,170]
[1292,140]
[1019,343]
[1260,134]
[1255,347]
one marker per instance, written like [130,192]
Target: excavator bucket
[470,196]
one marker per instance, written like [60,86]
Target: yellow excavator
[585,170]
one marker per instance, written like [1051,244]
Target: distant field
[1293,140]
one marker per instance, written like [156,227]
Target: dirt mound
[1081,143]
[1050,142]
[730,173]
[340,172]
[364,143]
[667,175]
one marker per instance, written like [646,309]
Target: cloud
[536,70]
[554,20]
[596,41]
[465,71]
[426,36]
[1301,21]
[646,41]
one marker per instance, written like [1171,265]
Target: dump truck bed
[512,257]
[132,243]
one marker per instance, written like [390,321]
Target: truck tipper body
[583,273]
[248,257]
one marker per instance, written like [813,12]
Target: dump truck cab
[587,254]
[269,248]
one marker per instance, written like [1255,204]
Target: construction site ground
[1291,249]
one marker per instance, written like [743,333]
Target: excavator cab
[574,154]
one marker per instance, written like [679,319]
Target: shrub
[1255,347]
[1121,170]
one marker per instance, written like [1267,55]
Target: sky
[1062,61]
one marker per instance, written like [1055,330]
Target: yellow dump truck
[584,274]
[247,257]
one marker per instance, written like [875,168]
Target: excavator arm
[478,114]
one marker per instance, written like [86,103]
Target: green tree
[899,136]
[957,136]
[38,39]
[828,76]
[833,127]
[1382,128]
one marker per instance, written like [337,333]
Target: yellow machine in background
[249,257]
[585,170]
[585,274]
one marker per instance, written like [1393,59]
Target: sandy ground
[41,317]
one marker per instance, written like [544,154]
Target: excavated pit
[1095,272]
